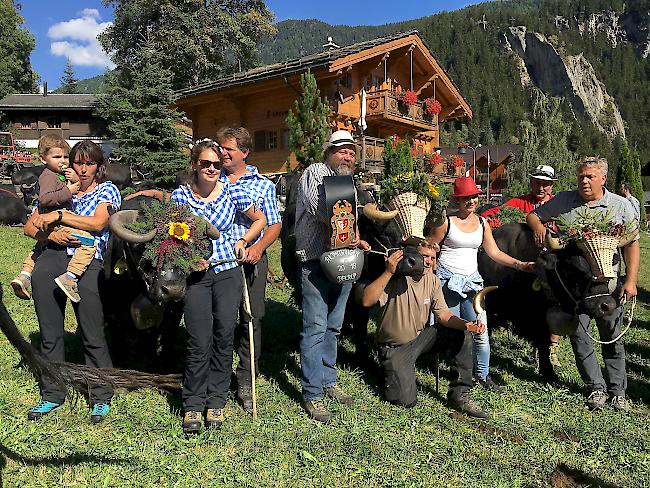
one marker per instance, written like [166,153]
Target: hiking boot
[338,395]
[41,409]
[192,422]
[69,287]
[596,400]
[214,417]
[553,356]
[245,397]
[619,403]
[465,406]
[22,286]
[99,412]
[316,410]
[490,385]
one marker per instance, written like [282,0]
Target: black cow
[561,287]
[119,174]
[12,209]
[26,178]
[141,302]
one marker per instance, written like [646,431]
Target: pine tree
[545,141]
[68,80]
[307,123]
[136,106]
[16,45]
[629,170]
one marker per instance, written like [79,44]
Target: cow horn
[212,232]
[479,299]
[630,238]
[553,243]
[117,225]
[371,211]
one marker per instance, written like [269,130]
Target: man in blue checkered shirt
[237,143]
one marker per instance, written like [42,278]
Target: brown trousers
[81,259]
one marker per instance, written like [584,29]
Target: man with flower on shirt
[236,143]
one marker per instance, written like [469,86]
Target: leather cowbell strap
[341,204]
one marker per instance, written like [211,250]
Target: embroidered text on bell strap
[341,203]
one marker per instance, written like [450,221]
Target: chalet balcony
[384,107]
[372,158]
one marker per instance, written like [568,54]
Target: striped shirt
[252,182]
[312,231]
[221,213]
[85,206]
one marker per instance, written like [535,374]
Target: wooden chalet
[368,75]
[70,116]
[476,164]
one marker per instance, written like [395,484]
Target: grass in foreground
[538,435]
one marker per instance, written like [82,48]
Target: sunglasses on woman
[206,163]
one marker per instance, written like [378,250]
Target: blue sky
[67,28]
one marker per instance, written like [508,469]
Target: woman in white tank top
[460,237]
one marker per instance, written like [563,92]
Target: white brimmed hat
[543,172]
[341,138]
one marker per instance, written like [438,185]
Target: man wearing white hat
[541,191]
[323,302]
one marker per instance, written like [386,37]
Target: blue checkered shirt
[252,182]
[85,206]
[221,213]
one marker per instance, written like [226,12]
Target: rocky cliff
[571,77]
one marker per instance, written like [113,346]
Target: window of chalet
[265,140]
[346,80]
[285,138]
[54,123]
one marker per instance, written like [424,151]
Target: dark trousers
[256,282]
[398,364]
[211,304]
[49,302]
[615,380]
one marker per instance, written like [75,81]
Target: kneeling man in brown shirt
[404,333]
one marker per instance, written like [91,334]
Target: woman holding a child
[89,211]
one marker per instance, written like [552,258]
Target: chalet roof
[49,102]
[297,65]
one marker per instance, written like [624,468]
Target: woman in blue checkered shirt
[213,296]
[90,212]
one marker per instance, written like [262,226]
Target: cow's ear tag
[120,267]
[537,285]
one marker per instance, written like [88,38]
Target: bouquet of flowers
[413,193]
[597,234]
[180,238]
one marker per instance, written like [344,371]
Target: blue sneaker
[41,409]
[100,411]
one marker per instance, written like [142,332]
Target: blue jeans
[462,307]
[323,307]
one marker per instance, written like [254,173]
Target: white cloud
[76,39]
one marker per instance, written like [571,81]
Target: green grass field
[538,435]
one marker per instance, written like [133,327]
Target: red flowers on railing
[408,98]
[435,159]
[432,107]
[459,162]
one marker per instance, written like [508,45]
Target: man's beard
[343,170]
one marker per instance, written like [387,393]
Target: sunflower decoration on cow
[175,242]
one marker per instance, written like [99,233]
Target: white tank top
[459,249]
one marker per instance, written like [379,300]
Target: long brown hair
[89,151]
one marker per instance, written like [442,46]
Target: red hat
[464,187]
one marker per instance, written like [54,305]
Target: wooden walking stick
[251,340]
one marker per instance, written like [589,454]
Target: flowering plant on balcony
[432,106]
[462,147]
[458,162]
[408,98]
